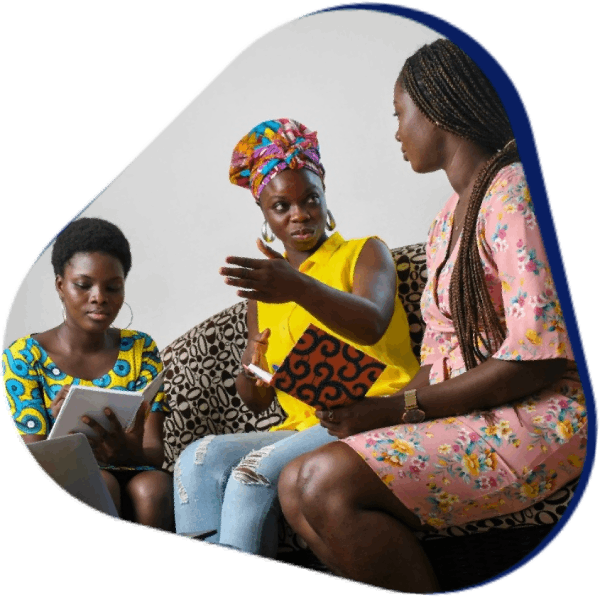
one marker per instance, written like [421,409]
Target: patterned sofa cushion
[201,367]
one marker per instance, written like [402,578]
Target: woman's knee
[113,488]
[204,461]
[311,481]
[288,486]
[154,488]
[258,468]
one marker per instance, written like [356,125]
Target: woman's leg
[151,496]
[113,488]
[353,522]
[201,474]
[250,507]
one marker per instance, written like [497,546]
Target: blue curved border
[529,157]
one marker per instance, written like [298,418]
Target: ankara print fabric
[452,471]
[271,147]
[32,379]
[324,371]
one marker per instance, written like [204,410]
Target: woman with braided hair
[495,419]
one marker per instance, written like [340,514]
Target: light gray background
[182,216]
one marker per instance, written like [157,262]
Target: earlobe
[58,285]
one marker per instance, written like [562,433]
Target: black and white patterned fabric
[201,367]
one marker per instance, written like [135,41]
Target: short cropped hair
[90,235]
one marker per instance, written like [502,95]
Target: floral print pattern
[455,470]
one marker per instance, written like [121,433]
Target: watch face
[414,415]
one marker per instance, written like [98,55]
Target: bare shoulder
[375,254]
[48,340]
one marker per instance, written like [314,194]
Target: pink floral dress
[455,470]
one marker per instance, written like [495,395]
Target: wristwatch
[412,412]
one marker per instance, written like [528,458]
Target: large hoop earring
[330,224]
[267,233]
[131,315]
[131,318]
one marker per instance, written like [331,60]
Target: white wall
[175,191]
[182,216]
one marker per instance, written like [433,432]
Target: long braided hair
[453,93]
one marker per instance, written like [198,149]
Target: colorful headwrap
[269,148]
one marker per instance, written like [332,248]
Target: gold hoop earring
[130,317]
[267,233]
[330,224]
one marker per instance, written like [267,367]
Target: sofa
[201,367]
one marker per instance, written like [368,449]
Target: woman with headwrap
[348,288]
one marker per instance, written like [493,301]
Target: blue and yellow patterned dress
[32,380]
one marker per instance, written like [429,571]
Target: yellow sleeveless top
[333,264]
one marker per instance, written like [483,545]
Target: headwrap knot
[269,148]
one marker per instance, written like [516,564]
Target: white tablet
[91,401]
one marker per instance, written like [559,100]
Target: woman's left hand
[118,446]
[365,415]
[271,280]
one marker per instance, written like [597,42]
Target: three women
[493,421]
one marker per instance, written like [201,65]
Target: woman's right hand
[257,348]
[59,400]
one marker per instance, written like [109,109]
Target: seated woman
[495,419]
[348,288]
[91,259]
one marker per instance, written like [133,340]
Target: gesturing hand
[257,347]
[118,446]
[271,280]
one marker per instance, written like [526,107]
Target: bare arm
[362,315]
[420,380]
[256,397]
[491,384]
[152,446]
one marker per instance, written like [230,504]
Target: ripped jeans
[229,483]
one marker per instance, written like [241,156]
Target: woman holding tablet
[91,259]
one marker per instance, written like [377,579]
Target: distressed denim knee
[200,451]
[246,471]
[201,475]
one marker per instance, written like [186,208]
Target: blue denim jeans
[229,483]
